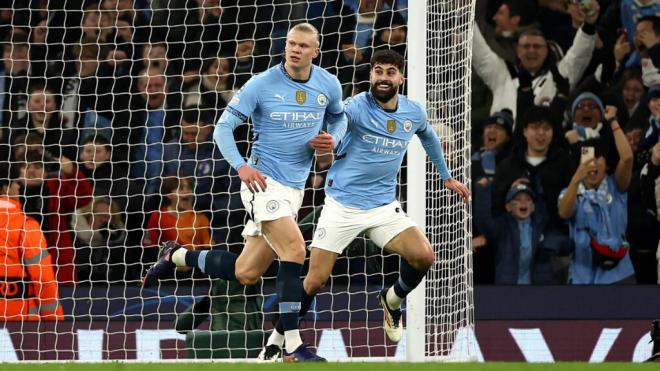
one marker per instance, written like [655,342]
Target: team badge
[322,100]
[391,126]
[320,233]
[301,96]
[272,206]
[407,125]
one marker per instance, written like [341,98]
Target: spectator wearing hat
[516,237]
[496,139]
[587,113]
[595,205]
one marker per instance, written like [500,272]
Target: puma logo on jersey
[280,96]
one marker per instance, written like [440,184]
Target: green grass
[502,366]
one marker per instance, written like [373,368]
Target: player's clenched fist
[252,178]
[322,142]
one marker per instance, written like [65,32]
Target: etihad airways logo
[385,142]
[296,116]
[386,146]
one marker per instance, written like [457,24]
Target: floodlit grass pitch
[495,366]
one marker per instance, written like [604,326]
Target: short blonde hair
[308,28]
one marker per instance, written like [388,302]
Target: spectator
[87,94]
[632,11]
[539,159]
[51,199]
[538,79]
[496,141]
[516,237]
[644,230]
[390,33]
[214,88]
[108,179]
[511,17]
[151,119]
[653,133]
[28,285]
[14,77]
[496,146]
[44,118]
[595,204]
[647,43]
[249,56]
[177,220]
[216,184]
[100,237]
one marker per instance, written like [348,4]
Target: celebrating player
[288,104]
[361,188]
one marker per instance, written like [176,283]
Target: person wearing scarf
[595,205]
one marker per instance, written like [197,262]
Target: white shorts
[339,225]
[278,201]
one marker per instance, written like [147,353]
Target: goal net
[107,110]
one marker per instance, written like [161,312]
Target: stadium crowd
[107,111]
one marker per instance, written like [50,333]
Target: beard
[384,96]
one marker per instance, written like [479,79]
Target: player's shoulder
[410,104]
[323,74]
[356,100]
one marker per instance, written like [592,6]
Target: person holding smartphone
[595,205]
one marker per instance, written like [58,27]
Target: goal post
[440,310]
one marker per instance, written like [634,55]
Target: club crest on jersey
[407,125]
[322,100]
[391,126]
[272,206]
[301,96]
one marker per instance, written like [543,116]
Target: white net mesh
[107,110]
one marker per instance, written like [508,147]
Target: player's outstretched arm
[433,148]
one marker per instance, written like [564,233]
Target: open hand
[253,179]
[459,188]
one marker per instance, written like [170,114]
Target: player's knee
[314,284]
[295,252]
[246,276]
[423,261]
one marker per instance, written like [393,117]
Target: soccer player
[288,104]
[361,188]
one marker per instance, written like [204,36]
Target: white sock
[179,257]
[393,301]
[293,340]
[276,338]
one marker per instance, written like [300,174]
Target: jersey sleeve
[431,144]
[245,101]
[335,116]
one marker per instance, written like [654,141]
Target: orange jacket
[28,289]
[189,228]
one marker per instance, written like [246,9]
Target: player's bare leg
[284,236]
[254,260]
[417,257]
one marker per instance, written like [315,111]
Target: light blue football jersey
[364,174]
[286,115]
